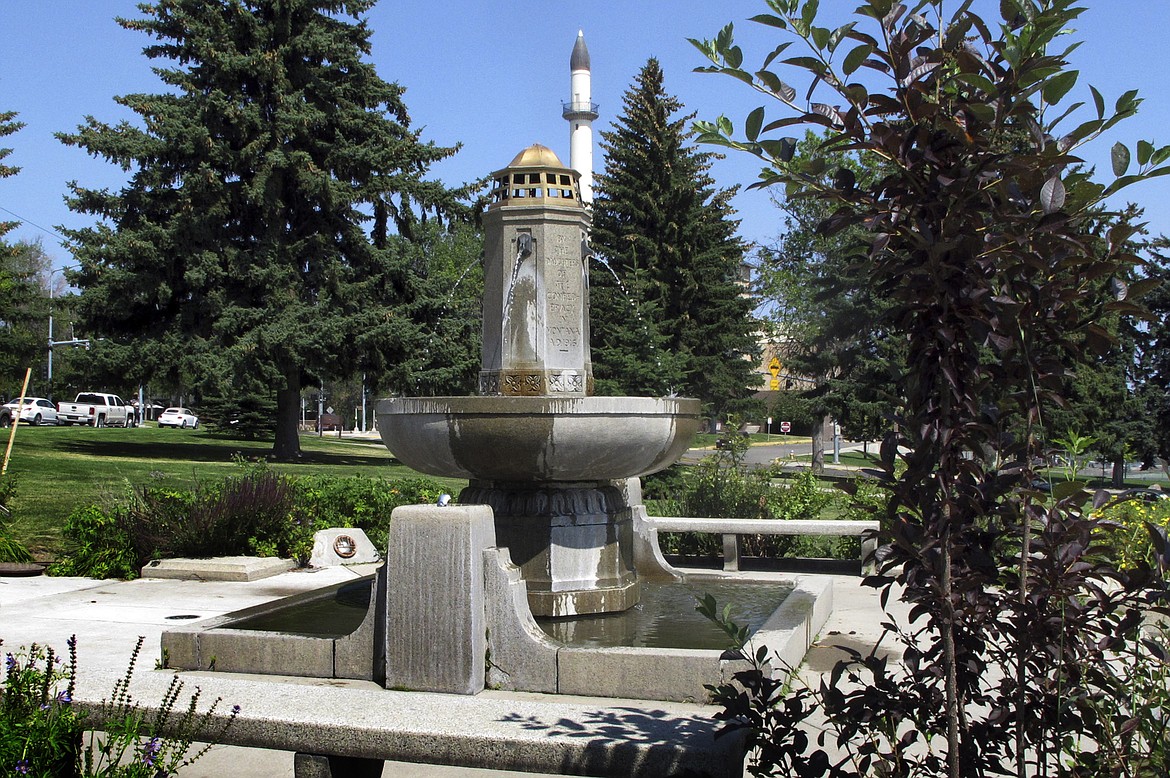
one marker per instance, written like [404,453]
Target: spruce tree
[678,320]
[236,258]
[8,126]
[21,308]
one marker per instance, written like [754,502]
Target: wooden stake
[15,421]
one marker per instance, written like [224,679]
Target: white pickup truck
[96,409]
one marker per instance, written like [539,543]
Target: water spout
[523,251]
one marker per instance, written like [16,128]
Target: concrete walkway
[108,616]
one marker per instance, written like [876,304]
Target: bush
[257,512]
[365,503]
[718,487]
[100,544]
[11,550]
[41,730]
[1131,541]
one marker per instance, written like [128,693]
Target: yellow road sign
[774,367]
[775,384]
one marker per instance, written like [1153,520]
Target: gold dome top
[536,155]
[536,177]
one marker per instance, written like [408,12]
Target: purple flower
[22,767]
[64,698]
[235,710]
[9,662]
[150,752]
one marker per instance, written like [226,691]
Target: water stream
[633,307]
[463,274]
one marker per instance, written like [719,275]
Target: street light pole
[49,375]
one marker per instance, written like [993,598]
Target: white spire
[580,112]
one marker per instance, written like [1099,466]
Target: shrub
[718,487]
[11,550]
[1131,541]
[41,730]
[100,544]
[246,513]
[365,503]
[256,512]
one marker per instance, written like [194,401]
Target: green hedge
[257,512]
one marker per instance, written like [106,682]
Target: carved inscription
[564,294]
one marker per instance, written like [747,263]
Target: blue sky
[492,75]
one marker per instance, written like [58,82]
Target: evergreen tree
[8,126]
[235,256]
[826,318]
[20,310]
[669,313]
[1152,379]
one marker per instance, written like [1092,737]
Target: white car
[178,417]
[36,410]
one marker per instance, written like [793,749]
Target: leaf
[776,52]
[820,36]
[981,83]
[1120,158]
[1098,101]
[829,112]
[1052,195]
[856,94]
[839,35]
[920,71]
[725,36]
[808,14]
[770,20]
[855,57]
[1127,103]
[755,120]
[1145,150]
[1067,489]
[734,56]
[1058,86]
[776,86]
[782,150]
[811,64]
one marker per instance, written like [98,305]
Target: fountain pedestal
[573,543]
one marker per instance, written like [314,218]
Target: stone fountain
[545,454]
[551,524]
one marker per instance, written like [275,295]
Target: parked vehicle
[178,417]
[1150,495]
[5,416]
[35,410]
[97,409]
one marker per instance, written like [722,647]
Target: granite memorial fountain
[551,523]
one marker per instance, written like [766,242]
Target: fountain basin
[538,439]
[523,657]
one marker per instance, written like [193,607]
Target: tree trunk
[287,446]
[1119,473]
[818,445]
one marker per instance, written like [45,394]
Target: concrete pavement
[107,617]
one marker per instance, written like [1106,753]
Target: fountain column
[571,540]
[536,446]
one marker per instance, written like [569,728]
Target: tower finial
[580,112]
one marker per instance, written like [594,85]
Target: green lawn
[60,468]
